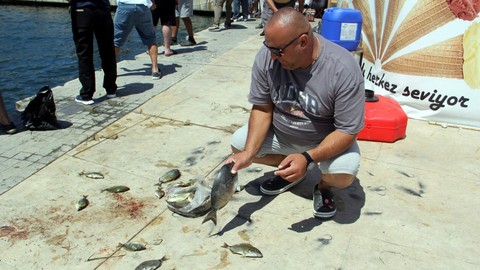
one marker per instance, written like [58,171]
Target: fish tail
[212,215]
[225,245]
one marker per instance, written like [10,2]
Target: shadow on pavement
[133,89]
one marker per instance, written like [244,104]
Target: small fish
[151,264]
[117,189]
[93,175]
[82,203]
[169,176]
[133,246]
[159,193]
[223,188]
[244,249]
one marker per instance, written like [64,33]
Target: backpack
[40,111]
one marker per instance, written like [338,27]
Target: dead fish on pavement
[159,193]
[223,188]
[151,264]
[82,203]
[117,189]
[191,201]
[133,246]
[93,175]
[169,176]
[244,249]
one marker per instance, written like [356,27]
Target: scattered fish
[93,175]
[159,193]
[117,189]
[244,249]
[133,246]
[410,191]
[82,203]
[223,188]
[151,264]
[169,176]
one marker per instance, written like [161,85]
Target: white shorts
[184,9]
[347,162]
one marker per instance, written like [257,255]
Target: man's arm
[258,127]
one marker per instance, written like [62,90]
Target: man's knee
[338,180]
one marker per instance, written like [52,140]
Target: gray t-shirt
[310,103]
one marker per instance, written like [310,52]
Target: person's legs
[245,9]
[123,24]
[5,122]
[82,29]
[104,35]
[236,9]
[146,31]
[175,30]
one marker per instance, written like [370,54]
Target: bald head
[289,19]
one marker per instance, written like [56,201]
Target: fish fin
[225,245]
[212,215]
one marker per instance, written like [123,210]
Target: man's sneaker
[110,96]
[9,128]
[323,203]
[188,42]
[173,41]
[214,28]
[157,75]
[227,25]
[259,26]
[82,100]
[277,185]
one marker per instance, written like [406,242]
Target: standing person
[236,10]
[165,11]
[272,6]
[7,125]
[217,14]
[136,13]
[184,10]
[308,107]
[91,18]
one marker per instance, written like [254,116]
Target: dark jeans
[87,22]
[236,8]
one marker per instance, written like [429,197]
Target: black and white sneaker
[82,100]
[277,185]
[323,203]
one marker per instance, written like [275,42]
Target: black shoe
[262,34]
[277,185]
[323,203]
[227,25]
[173,41]
[259,26]
[188,42]
[9,128]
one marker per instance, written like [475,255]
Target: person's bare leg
[4,119]
[189,26]
[175,28]
[153,52]
[167,34]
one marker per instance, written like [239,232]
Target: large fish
[222,191]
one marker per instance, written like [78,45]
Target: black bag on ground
[40,111]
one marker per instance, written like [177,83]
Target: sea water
[37,49]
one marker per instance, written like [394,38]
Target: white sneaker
[109,96]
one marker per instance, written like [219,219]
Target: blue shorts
[128,16]
[347,162]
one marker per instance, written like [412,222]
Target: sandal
[170,54]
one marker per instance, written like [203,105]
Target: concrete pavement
[413,207]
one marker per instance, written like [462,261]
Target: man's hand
[292,168]
[242,160]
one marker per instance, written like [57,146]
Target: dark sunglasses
[279,52]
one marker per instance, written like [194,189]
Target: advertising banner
[425,54]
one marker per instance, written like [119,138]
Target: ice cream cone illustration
[394,7]
[471,64]
[443,59]
[367,29]
[425,16]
